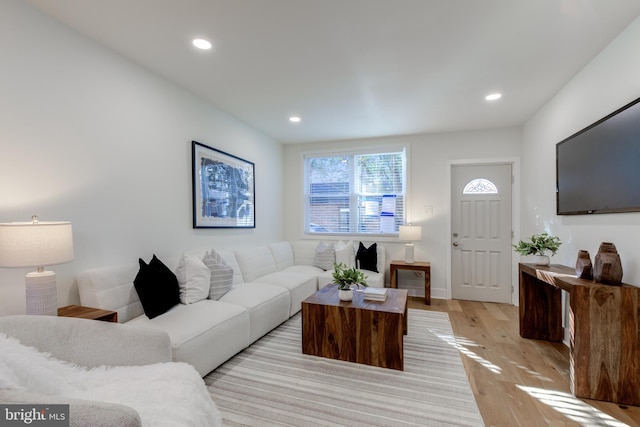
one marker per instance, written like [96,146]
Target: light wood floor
[516,381]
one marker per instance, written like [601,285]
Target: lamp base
[408,253]
[42,295]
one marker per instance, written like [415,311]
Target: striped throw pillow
[221,274]
[325,256]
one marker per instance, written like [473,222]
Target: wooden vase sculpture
[583,265]
[607,268]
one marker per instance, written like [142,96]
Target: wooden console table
[604,329]
[416,266]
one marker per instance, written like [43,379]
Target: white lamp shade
[410,233]
[27,244]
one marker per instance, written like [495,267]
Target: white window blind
[355,193]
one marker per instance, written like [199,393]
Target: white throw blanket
[164,394]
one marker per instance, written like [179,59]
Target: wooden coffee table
[368,332]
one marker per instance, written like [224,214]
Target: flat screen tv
[598,168]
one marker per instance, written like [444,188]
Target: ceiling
[358,68]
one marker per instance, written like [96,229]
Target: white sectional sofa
[269,284]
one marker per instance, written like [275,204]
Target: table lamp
[410,233]
[37,244]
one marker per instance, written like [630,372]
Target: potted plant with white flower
[347,278]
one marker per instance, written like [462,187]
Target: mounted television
[598,168]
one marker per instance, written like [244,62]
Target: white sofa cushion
[255,262]
[268,305]
[230,259]
[194,279]
[204,334]
[111,288]
[304,251]
[309,270]
[299,285]
[282,254]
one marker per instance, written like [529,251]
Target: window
[480,186]
[355,193]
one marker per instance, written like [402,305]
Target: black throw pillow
[367,258]
[157,287]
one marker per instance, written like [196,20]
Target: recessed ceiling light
[493,96]
[202,44]
[294,119]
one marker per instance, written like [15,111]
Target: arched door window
[480,186]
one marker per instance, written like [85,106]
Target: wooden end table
[360,331]
[416,266]
[88,313]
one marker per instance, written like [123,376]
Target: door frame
[515,214]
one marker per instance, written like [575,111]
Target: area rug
[272,383]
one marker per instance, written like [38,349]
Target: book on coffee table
[375,294]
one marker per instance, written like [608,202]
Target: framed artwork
[223,189]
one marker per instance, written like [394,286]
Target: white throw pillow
[345,253]
[194,279]
[325,256]
[221,274]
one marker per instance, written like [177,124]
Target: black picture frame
[223,189]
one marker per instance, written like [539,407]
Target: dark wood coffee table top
[396,301]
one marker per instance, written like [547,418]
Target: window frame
[352,151]
[482,193]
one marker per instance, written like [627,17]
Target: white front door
[481,232]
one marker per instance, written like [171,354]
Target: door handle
[456,244]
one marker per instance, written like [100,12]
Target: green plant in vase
[539,245]
[347,278]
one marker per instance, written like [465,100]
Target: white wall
[91,138]
[428,163]
[609,82]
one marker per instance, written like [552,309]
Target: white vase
[345,294]
[542,260]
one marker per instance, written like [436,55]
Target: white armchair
[89,344]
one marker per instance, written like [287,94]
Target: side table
[416,266]
[88,313]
